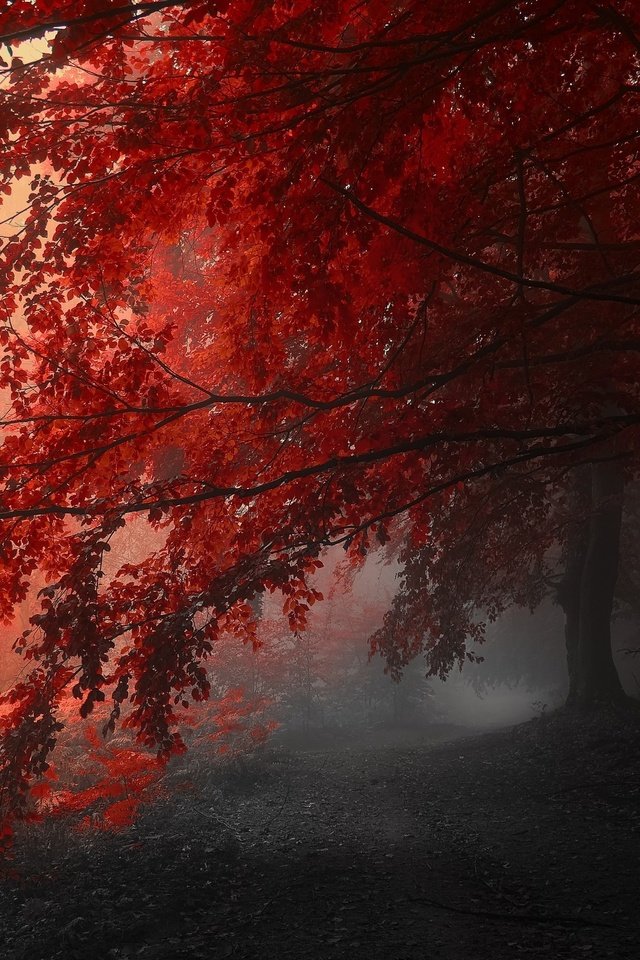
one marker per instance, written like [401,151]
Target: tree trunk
[570,602]
[592,571]
[568,595]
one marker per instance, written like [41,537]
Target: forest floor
[520,842]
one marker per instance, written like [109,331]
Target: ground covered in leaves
[520,842]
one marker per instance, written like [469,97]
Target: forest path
[524,842]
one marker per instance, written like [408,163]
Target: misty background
[325,683]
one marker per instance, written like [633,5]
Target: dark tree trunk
[569,598]
[590,580]
[568,595]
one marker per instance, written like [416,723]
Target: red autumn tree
[284,274]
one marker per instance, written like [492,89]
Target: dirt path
[521,843]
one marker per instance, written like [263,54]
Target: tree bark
[590,580]
[568,595]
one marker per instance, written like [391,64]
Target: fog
[326,684]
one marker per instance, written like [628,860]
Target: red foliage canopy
[284,273]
